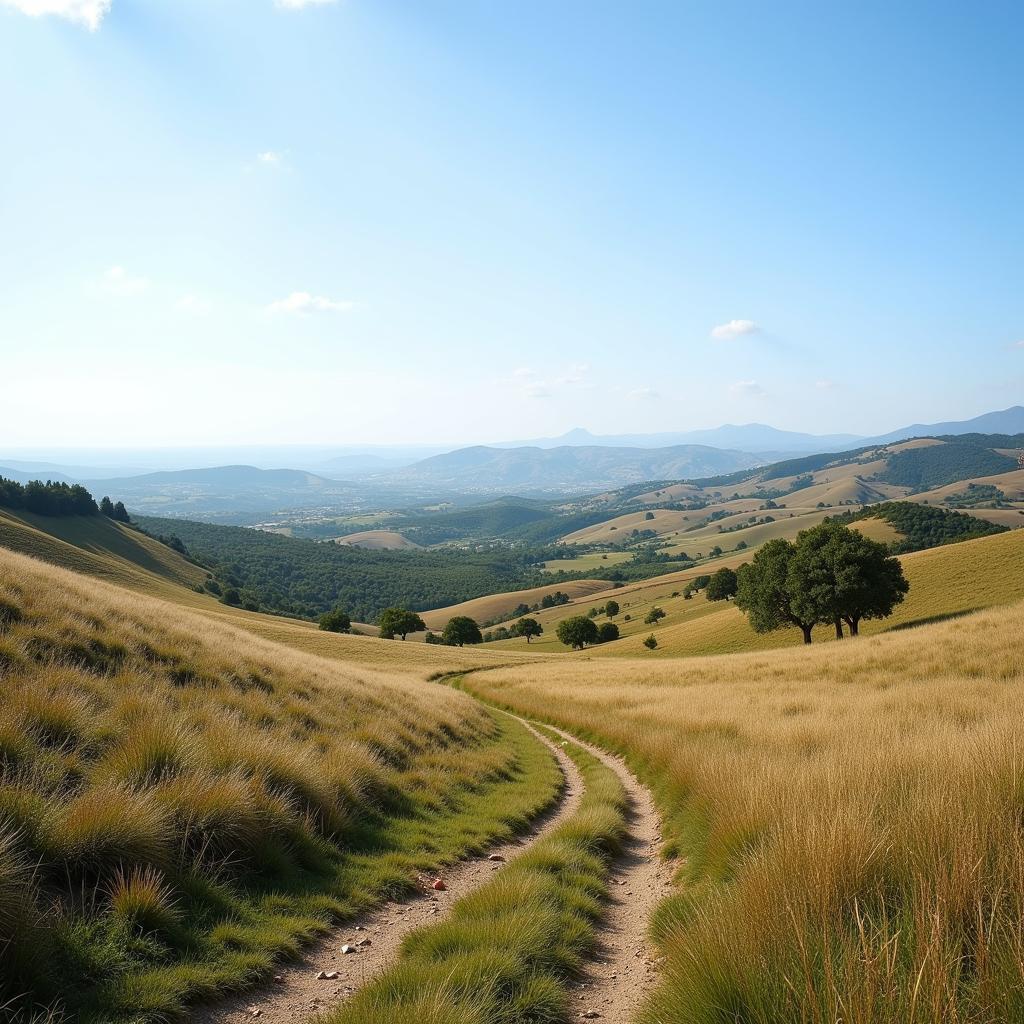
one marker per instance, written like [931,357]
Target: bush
[651,642]
[144,902]
[607,632]
[654,615]
[336,621]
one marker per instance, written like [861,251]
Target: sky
[395,221]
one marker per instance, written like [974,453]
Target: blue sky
[231,221]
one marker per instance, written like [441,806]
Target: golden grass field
[378,540]
[487,609]
[183,801]
[847,818]
[944,581]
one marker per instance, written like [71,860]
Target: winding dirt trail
[624,967]
[297,993]
[618,978]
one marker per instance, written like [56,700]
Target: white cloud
[193,304]
[641,394]
[1018,344]
[576,374]
[304,302]
[747,388]
[538,390]
[270,157]
[824,384]
[298,5]
[524,373]
[117,281]
[734,329]
[85,12]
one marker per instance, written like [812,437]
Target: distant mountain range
[533,469]
[760,438]
[352,478]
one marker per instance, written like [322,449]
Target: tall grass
[505,953]
[848,820]
[182,803]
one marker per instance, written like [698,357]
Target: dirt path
[297,992]
[625,965]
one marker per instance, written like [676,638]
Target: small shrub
[143,901]
[651,642]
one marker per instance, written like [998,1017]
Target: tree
[400,622]
[764,592]
[232,597]
[528,628]
[121,513]
[611,609]
[577,631]
[336,621]
[851,577]
[653,615]
[648,516]
[607,632]
[722,585]
[716,551]
[461,630]
[107,507]
[651,642]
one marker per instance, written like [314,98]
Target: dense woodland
[924,526]
[305,578]
[52,498]
[941,464]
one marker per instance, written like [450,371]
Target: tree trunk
[839,628]
[807,633]
[854,623]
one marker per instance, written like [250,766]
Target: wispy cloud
[747,389]
[303,303]
[824,384]
[642,394]
[89,13]
[270,158]
[1018,344]
[298,5]
[734,329]
[117,281]
[538,389]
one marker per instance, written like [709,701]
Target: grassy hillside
[100,547]
[944,581]
[847,818]
[377,540]
[494,606]
[181,803]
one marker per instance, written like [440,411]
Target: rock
[590,1014]
[255,1011]
[278,979]
[364,942]
[438,884]
[327,976]
[347,949]
[497,857]
[360,928]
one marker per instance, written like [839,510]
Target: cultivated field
[847,819]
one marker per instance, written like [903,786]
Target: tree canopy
[577,631]
[611,609]
[830,575]
[53,498]
[461,630]
[529,628]
[399,622]
[722,585]
[336,621]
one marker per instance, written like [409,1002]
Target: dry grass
[487,609]
[849,819]
[181,802]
